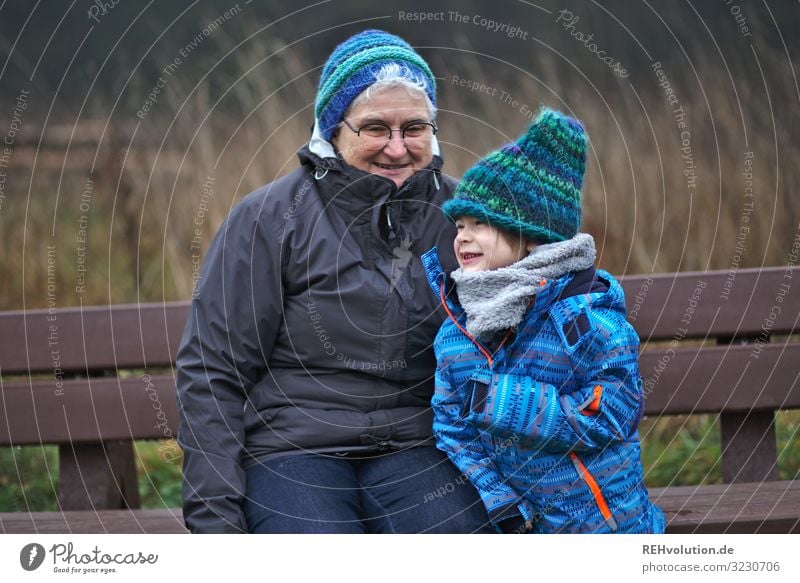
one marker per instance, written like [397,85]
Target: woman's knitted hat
[351,68]
[531,187]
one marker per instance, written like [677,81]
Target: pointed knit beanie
[531,187]
[352,67]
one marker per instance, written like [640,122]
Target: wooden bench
[93,379]
[101,390]
[719,342]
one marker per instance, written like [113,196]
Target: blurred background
[129,129]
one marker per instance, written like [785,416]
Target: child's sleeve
[463,445]
[605,409]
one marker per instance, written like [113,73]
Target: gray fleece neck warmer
[497,299]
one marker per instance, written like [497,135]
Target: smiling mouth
[391,166]
[467,257]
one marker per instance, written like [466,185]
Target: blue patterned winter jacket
[545,424]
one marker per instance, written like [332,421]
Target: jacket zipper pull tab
[389,224]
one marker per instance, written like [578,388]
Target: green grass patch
[686,450]
[28,478]
[681,450]
[158,467]
[787,430]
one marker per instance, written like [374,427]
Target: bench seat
[742,508]
[762,507]
[163,521]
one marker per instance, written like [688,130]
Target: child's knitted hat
[531,187]
[351,68]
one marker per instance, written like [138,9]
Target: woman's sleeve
[233,321]
[605,409]
[463,445]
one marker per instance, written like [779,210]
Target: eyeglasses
[376,135]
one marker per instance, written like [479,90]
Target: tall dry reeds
[149,194]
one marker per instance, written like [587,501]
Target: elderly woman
[306,371]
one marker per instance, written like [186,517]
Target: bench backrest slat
[711,380]
[714,379]
[661,307]
[92,338]
[89,410]
[714,304]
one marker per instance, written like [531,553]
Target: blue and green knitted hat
[352,67]
[531,187]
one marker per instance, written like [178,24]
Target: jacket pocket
[597,494]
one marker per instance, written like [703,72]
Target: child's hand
[514,525]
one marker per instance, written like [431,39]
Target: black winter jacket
[310,328]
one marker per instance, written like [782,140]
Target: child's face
[479,246]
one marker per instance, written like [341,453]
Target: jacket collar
[498,299]
[440,283]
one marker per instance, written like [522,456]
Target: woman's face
[397,159]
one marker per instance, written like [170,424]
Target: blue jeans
[411,491]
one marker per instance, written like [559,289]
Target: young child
[538,394]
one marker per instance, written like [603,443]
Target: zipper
[595,489]
[474,340]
